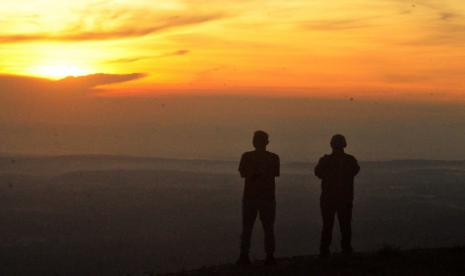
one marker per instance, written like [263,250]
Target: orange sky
[388,48]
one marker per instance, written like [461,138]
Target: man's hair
[338,141]
[260,137]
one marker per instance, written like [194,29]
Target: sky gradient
[360,48]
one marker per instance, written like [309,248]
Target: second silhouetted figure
[337,171]
[259,168]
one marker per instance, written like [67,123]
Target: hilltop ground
[387,261]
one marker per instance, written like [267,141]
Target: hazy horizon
[230,160]
[221,127]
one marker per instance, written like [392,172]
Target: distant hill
[387,261]
[57,164]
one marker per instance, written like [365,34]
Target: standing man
[259,168]
[337,172]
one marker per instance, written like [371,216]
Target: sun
[59,71]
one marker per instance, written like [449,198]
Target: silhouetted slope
[387,261]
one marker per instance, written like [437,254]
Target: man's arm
[277,167]
[356,167]
[320,168]
[242,166]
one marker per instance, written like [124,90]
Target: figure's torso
[259,169]
[337,173]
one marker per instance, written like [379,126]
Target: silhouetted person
[259,168]
[336,171]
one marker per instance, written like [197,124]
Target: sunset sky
[388,48]
[191,78]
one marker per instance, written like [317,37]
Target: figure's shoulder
[247,154]
[325,157]
[273,155]
[351,157]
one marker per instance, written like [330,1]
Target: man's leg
[327,213]
[344,214]
[268,216]
[249,214]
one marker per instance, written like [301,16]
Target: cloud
[13,85]
[175,53]
[407,78]
[441,34]
[449,36]
[447,16]
[139,58]
[89,82]
[73,99]
[446,26]
[127,60]
[333,25]
[125,30]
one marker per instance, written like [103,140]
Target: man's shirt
[259,168]
[337,172]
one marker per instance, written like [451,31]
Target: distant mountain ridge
[168,159]
[59,164]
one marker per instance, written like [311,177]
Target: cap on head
[260,139]
[338,141]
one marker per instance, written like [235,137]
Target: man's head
[260,139]
[338,142]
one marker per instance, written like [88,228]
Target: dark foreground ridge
[387,261]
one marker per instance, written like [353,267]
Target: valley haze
[111,215]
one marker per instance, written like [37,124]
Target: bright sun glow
[59,71]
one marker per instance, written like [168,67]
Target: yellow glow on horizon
[58,71]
